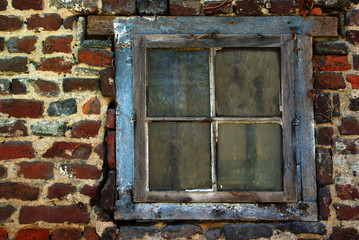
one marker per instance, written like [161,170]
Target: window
[214,119]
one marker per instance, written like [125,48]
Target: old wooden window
[194,142]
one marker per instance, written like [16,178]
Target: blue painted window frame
[302,29]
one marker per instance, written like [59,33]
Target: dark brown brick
[24,44]
[352,18]
[217,7]
[282,6]
[308,227]
[344,234]
[323,108]
[349,126]
[111,149]
[33,234]
[346,212]
[47,22]
[19,86]
[12,128]
[16,149]
[90,234]
[67,233]
[247,231]
[10,23]
[109,233]
[249,7]
[352,36]
[123,7]
[91,191]
[55,64]
[3,172]
[92,107]
[325,200]
[347,146]
[139,232]
[108,192]
[95,57]
[336,105]
[11,190]
[57,44]
[111,118]
[21,108]
[60,190]
[354,104]
[3,6]
[107,82]
[99,149]
[330,63]
[324,135]
[14,64]
[2,43]
[36,170]
[80,84]
[69,150]
[356,62]
[330,48]
[347,192]
[76,213]
[27,4]
[324,166]
[69,22]
[185,8]
[82,171]
[6,212]
[46,88]
[85,129]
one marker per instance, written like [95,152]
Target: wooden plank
[315,26]
[213,211]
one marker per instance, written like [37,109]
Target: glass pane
[249,157]
[247,82]
[178,83]
[179,155]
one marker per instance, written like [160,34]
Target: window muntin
[198,69]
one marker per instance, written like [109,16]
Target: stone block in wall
[137,232]
[49,128]
[10,23]
[62,107]
[330,48]
[28,4]
[185,8]
[309,227]
[4,86]
[182,231]
[152,7]
[122,7]
[247,231]
[332,3]
[25,44]
[213,233]
[81,6]
[217,7]
[249,7]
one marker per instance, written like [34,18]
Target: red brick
[21,108]
[76,213]
[16,149]
[69,22]
[82,171]
[85,129]
[111,146]
[91,191]
[14,64]
[90,234]
[57,44]
[352,36]
[18,191]
[3,234]
[55,64]
[249,7]
[345,212]
[107,80]
[281,6]
[6,212]
[324,166]
[66,233]
[18,86]
[69,151]
[60,190]
[33,234]
[111,118]
[324,135]
[344,234]
[27,4]
[3,6]
[10,23]
[46,88]
[217,7]
[354,80]
[328,80]
[99,149]
[185,8]
[36,170]
[347,192]
[47,22]
[331,62]
[349,126]
[3,172]
[92,107]
[80,84]
[95,57]
[13,128]
[24,44]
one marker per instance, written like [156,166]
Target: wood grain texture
[316,27]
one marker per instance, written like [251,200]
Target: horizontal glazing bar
[218,119]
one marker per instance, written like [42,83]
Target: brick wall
[57,122]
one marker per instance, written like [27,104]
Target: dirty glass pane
[247,82]
[249,157]
[178,83]
[179,155]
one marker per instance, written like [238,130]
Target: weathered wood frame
[285,44]
[302,30]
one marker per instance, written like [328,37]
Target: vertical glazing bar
[213,114]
